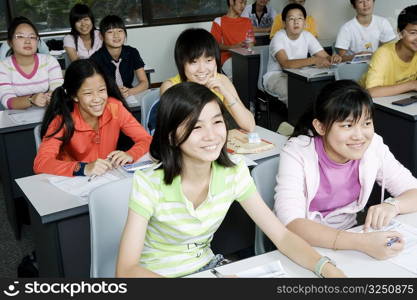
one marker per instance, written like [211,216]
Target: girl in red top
[82,124]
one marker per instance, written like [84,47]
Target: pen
[216,273]
[94,175]
[392,241]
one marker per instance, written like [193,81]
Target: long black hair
[62,99]
[78,12]
[16,22]
[191,44]
[336,101]
[181,104]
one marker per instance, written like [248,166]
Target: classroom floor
[12,251]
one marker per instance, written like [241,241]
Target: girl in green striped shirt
[177,206]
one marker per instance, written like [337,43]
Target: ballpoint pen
[94,175]
[391,241]
[216,273]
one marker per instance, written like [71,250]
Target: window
[162,9]
[3,24]
[52,16]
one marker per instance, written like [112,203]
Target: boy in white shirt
[364,33]
[289,49]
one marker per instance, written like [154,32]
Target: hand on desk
[41,99]
[119,158]
[98,167]
[335,59]
[379,216]
[124,91]
[375,244]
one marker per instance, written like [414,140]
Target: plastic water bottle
[250,40]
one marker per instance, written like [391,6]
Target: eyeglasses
[412,33]
[291,19]
[21,37]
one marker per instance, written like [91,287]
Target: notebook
[238,143]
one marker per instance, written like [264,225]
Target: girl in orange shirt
[81,126]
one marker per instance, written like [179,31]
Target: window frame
[148,20]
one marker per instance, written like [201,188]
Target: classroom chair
[264,176]
[108,206]
[350,71]
[148,102]
[264,97]
[37,134]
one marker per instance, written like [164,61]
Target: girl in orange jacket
[82,124]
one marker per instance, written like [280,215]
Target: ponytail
[61,105]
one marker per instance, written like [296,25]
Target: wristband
[318,269]
[79,169]
[30,100]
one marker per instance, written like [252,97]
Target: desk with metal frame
[302,91]
[398,127]
[61,225]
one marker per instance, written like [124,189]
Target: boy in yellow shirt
[393,68]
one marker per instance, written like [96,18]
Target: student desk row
[353,263]
[302,90]
[61,226]
[17,152]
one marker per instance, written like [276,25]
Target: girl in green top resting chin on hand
[177,206]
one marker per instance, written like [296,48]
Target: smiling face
[346,140]
[207,138]
[92,97]
[84,26]
[114,37]
[25,40]
[409,37]
[201,69]
[294,22]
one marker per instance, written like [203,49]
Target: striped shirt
[178,236]
[14,82]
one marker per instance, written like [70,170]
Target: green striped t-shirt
[178,236]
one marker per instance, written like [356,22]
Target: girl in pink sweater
[328,169]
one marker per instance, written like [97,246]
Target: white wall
[156,47]
[156,44]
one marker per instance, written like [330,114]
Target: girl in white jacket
[327,171]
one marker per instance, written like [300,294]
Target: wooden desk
[61,225]
[17,151]
[398,127]
[353,263]
[302,91]
[245,70]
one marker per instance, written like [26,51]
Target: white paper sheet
[79,185]
[408,257]
[26,116]
[273,269]
[313,71]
